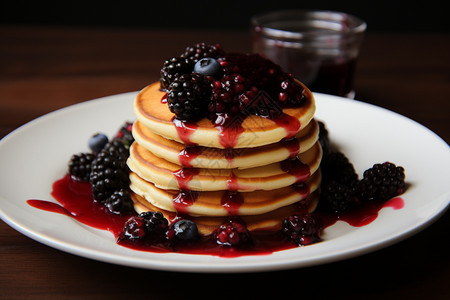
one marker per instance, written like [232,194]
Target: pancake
[270,221]
[217,158]
[166,175]
[223,203]
[245,131]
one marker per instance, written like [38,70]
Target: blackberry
[301,229]
[150,227]
[120,202]
[336,167]
[381,182]
[155,224]
[201,50]
[233,232]
[324,139]
[188,96]
[174,68]
[80,166]
[117,148]
[109,171]
[337,197]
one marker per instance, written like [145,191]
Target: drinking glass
[319,48]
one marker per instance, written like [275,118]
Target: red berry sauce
[292,145]
[184,176]
[296,168]
[188,154]
[185,130]
[183,199]
[229,133]
[232,201]
[289,123]
[75,201]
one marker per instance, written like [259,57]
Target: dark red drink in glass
[319,48]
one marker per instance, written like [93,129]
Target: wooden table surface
[46,68]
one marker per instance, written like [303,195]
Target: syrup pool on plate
[74,199]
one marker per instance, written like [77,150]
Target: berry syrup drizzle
[229,132]
[231,198]
[232,201]
[75,201]
[185,130]
[292,145]
[295,167]
[188,154]
[183,199]
[362,216]
[184,176]
[186,197]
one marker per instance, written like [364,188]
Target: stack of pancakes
[189,170]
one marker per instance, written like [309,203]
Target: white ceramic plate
[35,155]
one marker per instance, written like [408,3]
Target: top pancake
[154,113]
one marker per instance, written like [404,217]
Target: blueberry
[97,142]
[185,229]
[208,67]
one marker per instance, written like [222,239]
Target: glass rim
[337,23]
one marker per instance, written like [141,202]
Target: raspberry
[265,74]
[201,50]
[301,229]
[80,166]
[172,69]
[188,96]
[382,182]
[134,228]
[232,232]
[227,94]
[291,93]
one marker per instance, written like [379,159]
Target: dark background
[381,15]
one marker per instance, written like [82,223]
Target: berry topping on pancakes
[236,84]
